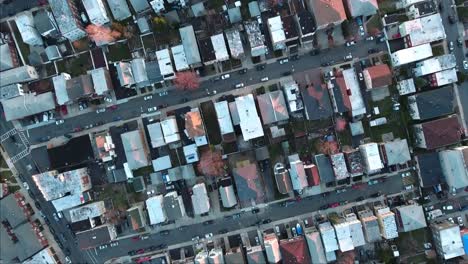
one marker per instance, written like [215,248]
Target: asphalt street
[136,106]
[274,212]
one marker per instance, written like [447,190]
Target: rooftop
[412,54]
[433,103]
[153,72]
[20,74]
[297,173]
[26,245]
[406,86]
[170,129]
[96,11]
[119,9]
[306,23]
[162,163]
[87,211]
[355,229]
[248,183]
[54,185]
[250,123]
[435,64]
[101,80]
[354,162]
[11,211]
[207,50]
[275,26]
[155,209]
[189,42]
[156,135]
[454,164]
[327,12]
[357,102]
[63,15]
[423,30]
[293,96]
[343,235]
[438,133]
[180,61]
[164,62]
[362,8]
[339,166]
[256,39]
[139,5]
[371,156]
[219,45]
[314,242]
[316,102]
[272,107]
[7,61]
[449,237]
[325,168]
[387,222]
[283,181]
[397,152]
[95,237]
[272,248]
[10,91]
[194,124]
[377,76]
[234,42]
[295,250]
[411,217]
[224,118]
[135,150]
[226,191]
[328,237]
[200,200]
[444,77]
[430,170]
[173,206]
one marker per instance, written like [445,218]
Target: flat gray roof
[10,211]
[27,105]
[119,9]
[190,45]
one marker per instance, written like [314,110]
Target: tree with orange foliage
[102,34]
[211,163]
[327,147]
[340,124]
[187,80]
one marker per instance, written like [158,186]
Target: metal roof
[154,207]
[272,107]
[224,118]
[189,42]
[119,9]
[200,200]
[27,105]
[134,148]
[156,135]
[250,123]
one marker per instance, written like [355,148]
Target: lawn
[144,171]
[117,194]
[374,24]
[387,6]
[6,175]
[76,66]
[395,124]
[118,52]
[148,42]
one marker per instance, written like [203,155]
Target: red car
[358,186]
[141,251]
[113,107]
[333,205]
[143,259]
[136,238]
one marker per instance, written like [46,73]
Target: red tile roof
[194,124]
[327,11]
[380,75]
[442,132]
[295,251]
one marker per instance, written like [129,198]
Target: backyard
[76,66]
[118,52]
[394,121]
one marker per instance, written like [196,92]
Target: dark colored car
[256,210]
[324,207]
[140,251]
[360,198]
[131,253]
[266,221]
[451,19]
[286,73]
[260,67]
[223,231]
[375,195]
[164,232]
[209,222]
[294,57]
[242,71]
[314,52]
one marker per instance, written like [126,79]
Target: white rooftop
[180,60]
[355,229]
[228,196]
[406,86]
[413,54]
[387,223]
[328,237]
[446,77]
[293,96]
[423,30]
[135,151]
[339,166]
[96,11]
[435,64]
[170,129]
[234,43]
[54,185]
[451,244]
[200,200]
[454,163]
[87,211]
[297,173]
[154,206]
[162,163]
[156,135]
[249,120]
[371,156]
[224,118]
[411,217]
[191,153]
[275,26]
[343,235]
[219,46]
[101,80]
[357,103]
[164,61]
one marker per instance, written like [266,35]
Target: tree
[211,163]
[340,124]
[187,80]
[102,34]
[160,24]
[327,147]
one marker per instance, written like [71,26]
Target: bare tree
[187,80]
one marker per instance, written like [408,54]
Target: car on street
[375,195]
[223,231]
[294,57]
[372,182]
[164,233]
[429,208]
[225,76]
[350,43]
[361,77]
[209,235]
[264,79]
[451,46]
[68,260]
[370,38]
[260,67]
[144,237]
[348,57]
[148,97]
[26,185]
[239,85]
[460,221]
[277,230]
[108,99]
[361,30]
[195,238]
[459,42]
[255,210]
[209,222]
[60,121]
[314,52]
[131,253]
[283,61]
[447,207]
[465,65]
[100,110]
[114,244]
[101,247]
[324,207]
[333,205]
[360,198]
[140,251]
[342,190]
[60,215]
[450,219]
[152,109]
[372,50]
[56,217]
[266,221]
[451,19]
[163,93]
[113,107]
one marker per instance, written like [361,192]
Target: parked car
[450,219]
[260,67]
[148,97]
[225,76]
[100,110]
[370,38]
[451,46]
[283,61]
[242,71]
[164,233]
[451,19]
[294,57]
[114,244]
[342,190]
[348,57]
[60,121]
[264,79]
[56,217]
[465,65]
[152,109]
[60,215]
[101,247]
[460,221]
[266,221]
[223,231]
[209,222]
[372,50]
[239,85]
[163,93]
[350,43]
[144,237]
[447,207]
[255,210]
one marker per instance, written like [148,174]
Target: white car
[26,185]
[239,85]
[100,110]
[114,244]
[144,237]
[348,57]
[101,247]
[209,235]
[225,76]
[60,215]
[465,65]
[460,221]
[370,38]
[451,220]
[108,99]
[283,61]
[152,109]
[55,217]
[350,43]
[264,79]
[447,207]
[451,46]
[163,93]
[58,122]
[361,77]
[361,30]
[148,97]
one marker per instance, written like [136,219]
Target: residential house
[224,121]
[156,135]
[248,185]
[370,225]
[307,26]
[437,133]
[96,12]
[339,94]
[86,212]
[454,163]
[95,237]
[125,74]
[235,255]
[21,74]
[170,129]
[277,34]
[46,255]
[410,217]
[8,57]
[11,91]
[158,6]
[408,3]
[65,190]
[219,46]
[155,209]
[354,162]
[135,149]
[291,32]
[339,166]
[119,9]
[191,153]
[406,86]
[143,25]
[421,9]
[316,101]
[272,248]
[447,239]
[29,34]
[162,163]
[27,105]
[435,64]
[395,152]
[343,234]
[102,82]
[201,257]
[165,64]
[325,169]
[273,108]
[68,20]
[387,222]
[180,60]
[207,50]
[364,8]
[154,72]
[250,123]
[139,6]
[173,206]
[429,169]
[377,76]
[200,199]
[297,173]
[372,161]
[312,175]
[236,48]
[68,90]
[255,255]
[189,42]
[293,96]
[422,30]
[138,67]
[294,250]
[194,128]
[52,53]
[443,78]
[431,104]
[358,109]
[45,24]
[226,191]
[412,54]
[329,239]
[283,181]
[256,39]
[327,13]
[216,255]
[355,229]
[316,247]
[105,146]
